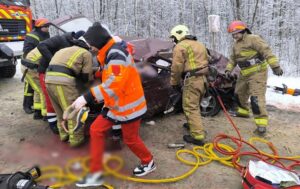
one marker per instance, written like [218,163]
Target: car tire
[209,105]
[8,71]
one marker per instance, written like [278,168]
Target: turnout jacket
[188,55]
[50,46]
[121,88]
[251,54]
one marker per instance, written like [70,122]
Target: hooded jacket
[50,46]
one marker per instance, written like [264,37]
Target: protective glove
[277,71]
[79,103]
[227,74]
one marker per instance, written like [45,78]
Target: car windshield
[76,25]
[24,3]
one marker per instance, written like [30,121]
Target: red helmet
[40,22]
[236,27]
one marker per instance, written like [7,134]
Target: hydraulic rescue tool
[22,180]
[285,90]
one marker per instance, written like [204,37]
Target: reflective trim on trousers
[261,122]
[243,111]
[37,106]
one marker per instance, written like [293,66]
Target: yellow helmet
[179,32]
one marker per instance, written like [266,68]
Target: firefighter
[66,67]
[32,39]
[48,48]
[190,63]
[124,103]
[253,55]
[30,63]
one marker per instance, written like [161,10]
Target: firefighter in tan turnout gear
[31,63]
[253,55]
[67,66]
[190,63]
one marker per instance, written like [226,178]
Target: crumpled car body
[153,58]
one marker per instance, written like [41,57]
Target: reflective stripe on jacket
[121,89]
[252,48]
[188,55]
[76,59]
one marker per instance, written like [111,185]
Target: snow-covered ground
[278,99]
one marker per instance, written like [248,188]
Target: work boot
[53,127]
[186,126]
[27,104]
[92,179]
[261,131]
[28,110]
[144,169]
[192,140]
[37,115]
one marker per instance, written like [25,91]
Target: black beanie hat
[97,35]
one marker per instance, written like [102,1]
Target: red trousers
[131,138]
[49,106]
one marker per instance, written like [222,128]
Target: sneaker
[190,139]
[92,179]
[261,131]
[143,170]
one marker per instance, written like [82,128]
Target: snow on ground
[279,100]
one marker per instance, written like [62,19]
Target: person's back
[195,54]
[50,46]
[68,64]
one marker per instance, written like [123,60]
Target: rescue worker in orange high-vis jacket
[124,103]
[253,56]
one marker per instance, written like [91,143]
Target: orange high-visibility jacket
[121,87]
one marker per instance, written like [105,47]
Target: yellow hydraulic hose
[202,154]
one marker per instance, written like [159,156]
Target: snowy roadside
[286,102]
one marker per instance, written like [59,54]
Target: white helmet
[179,32]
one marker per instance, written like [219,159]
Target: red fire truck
[15,23]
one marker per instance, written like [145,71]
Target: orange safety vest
[121,87]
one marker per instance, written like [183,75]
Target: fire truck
[15,23]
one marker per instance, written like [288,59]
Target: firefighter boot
[27,104]
[53,127]
[261,131]
[186,126]
[198,140]
[37,115]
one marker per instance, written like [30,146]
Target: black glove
[228,74]
[277,71]
[176,89]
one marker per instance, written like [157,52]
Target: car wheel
[209,105]
[7,71]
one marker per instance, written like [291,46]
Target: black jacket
[33,39]
[50,46]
